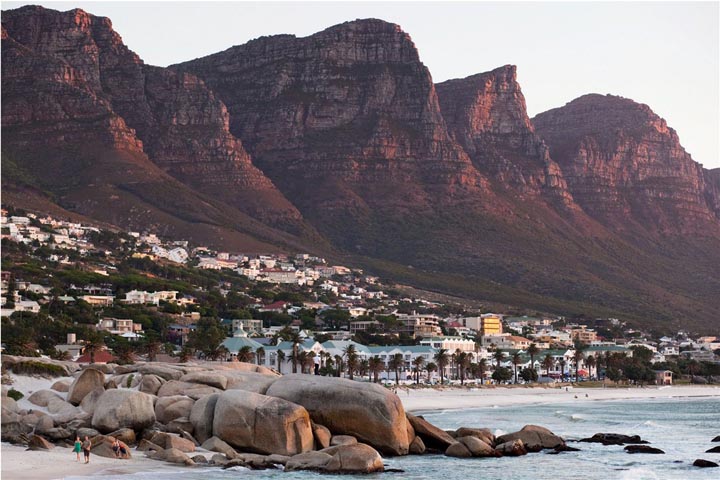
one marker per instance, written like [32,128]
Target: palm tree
[302,361]
[562,368]
[280,359]
[296,340]
[93,345]
[547,363]
[431,367]
[351,357]
[215,352]
[463,362]
[578,357]
[260,355]
[394,364]
[532,351]
[418,363]
[482,368]
[245,354]
[591,362]
[515,361]
[442,358]
[340,365]
[499,356]
[364,368]
[376,365]
[309,362]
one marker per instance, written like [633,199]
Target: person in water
[86,446]
[77,448]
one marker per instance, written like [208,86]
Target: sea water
[682,427]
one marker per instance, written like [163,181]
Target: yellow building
[491,324]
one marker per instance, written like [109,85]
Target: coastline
[456,398]
[59,463]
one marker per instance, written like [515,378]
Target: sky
[663,54]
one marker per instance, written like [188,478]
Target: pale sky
[664,54]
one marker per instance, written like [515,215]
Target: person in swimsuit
[77,448]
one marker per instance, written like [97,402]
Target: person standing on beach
[77,448]
[86,446]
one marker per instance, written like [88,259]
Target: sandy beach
[59,463]
[430,399]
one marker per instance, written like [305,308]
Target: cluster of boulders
[635,444]
[237,414]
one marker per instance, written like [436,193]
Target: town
[79,292]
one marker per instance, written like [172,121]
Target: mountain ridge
[340,142]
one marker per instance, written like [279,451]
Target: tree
[364,368]
[431,367]
[207,337]
[562,368]
[296,341]
[186,354]
[499,356]
[351,359]
[590,362]
[529,374]
[394,364]
[578,357]
[442,359]
[482,367]
[532,351]
[613,374]
[515,362]
[214,352]
[463,360]
[376,366]
[260,355]
[502,374]
[280,359]
[245,354]
[418,364]
[124,353]
[547,364]
[93,345]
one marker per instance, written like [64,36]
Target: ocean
[682,427]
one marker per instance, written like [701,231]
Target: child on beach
[77,448]
[86,446]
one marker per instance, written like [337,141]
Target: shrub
[130,378]
[15,395]
[33,367]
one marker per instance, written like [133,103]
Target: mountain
[341,143]
[116,139]
[626,167]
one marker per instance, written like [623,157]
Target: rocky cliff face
[346,119]
[593,208]
[486,114]
[183,127]
[626,167]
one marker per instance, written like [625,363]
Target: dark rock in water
[534,438]
[614,439]
[433,437]
[713,450]
[704,463]
[716,439]
[564,448]
[642,449]
[199,459]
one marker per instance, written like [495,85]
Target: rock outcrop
[119,408]
[625,166]
[486,114]
[262,424]
[366,411]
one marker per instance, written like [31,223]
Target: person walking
[86,446]
[77,448]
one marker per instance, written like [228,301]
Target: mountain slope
[340,143]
